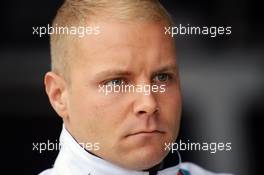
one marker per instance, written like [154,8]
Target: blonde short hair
[80,12]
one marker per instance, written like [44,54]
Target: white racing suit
[74,160]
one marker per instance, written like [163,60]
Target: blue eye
[115,82]
[163,77]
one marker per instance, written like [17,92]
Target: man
[108,131]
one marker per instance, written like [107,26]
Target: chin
[142,152]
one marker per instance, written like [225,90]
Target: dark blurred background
[222,84]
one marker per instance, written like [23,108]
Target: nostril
[142,112]
[145,111]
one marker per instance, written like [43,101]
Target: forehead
[121,34]
[125,43]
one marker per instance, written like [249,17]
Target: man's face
[131,128]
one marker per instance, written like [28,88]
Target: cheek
[105,111]
[171,106]
[99,119]
[112,111]
[171,100]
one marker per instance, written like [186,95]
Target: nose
[145,104]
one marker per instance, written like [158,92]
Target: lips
[146,132]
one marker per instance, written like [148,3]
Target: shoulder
[48,172]
[197,170]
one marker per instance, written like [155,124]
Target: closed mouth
[146,132]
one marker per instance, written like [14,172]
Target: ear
[56,90]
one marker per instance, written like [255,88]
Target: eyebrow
[168,68]
[111,73]
[115,72]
